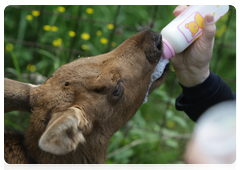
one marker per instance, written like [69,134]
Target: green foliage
[39,39]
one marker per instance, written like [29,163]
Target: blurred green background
[39,39]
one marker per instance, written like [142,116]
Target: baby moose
[79,108]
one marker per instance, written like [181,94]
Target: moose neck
[94,151]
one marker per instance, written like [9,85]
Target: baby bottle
[186,27]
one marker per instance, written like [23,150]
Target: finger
[209,29]
[179,9]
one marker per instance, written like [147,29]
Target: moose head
[83,103]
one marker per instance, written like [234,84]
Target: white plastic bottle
[186,27]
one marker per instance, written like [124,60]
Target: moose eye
[66,83]
[117,91]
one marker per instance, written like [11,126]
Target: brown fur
[78,109]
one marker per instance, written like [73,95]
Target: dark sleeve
[195,100]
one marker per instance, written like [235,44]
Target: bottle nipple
[168,51]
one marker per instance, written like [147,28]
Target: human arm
[201,88]
[194,101]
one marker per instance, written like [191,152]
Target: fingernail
[177,8]
[210,19]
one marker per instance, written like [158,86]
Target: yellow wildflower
[57,42]
[84,47]
[89,11]
[71,33]
[104,40]
[28,66]
[61,9]
[47,27]
[9,47]
[29,17]
[50,28]
[220,31]
[172,69]
[31,68]
[85,36]
[99,33]
[170,124]
[54,29]
[35,13]
[113,44]
[110,26]
[224,28]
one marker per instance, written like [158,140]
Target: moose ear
[17,96]
[64,132]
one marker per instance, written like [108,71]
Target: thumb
[209,29]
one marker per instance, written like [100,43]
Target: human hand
[192,65]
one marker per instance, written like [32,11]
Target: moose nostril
[159,45]
[157,39]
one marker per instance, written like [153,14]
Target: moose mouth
[159,44]
[162,65]
[166,70]
[161,68]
